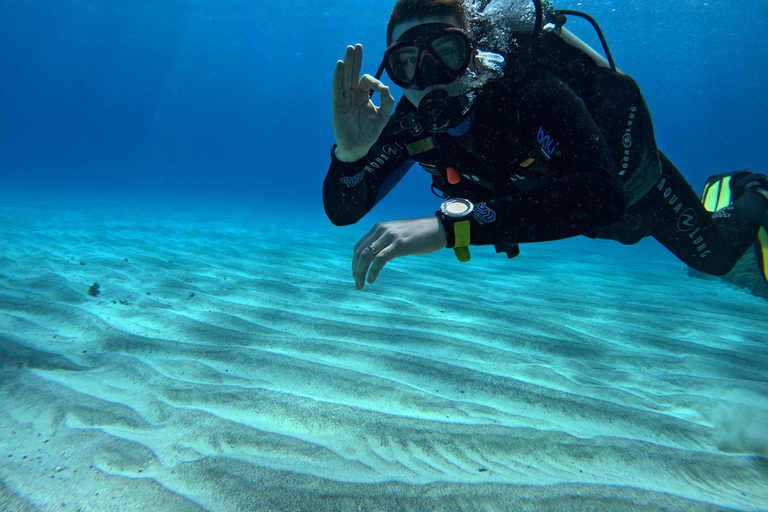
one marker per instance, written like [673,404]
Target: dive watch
[457,212]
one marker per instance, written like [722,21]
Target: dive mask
[427,54]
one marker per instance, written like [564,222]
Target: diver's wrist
[349,156]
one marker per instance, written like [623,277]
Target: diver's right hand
[357,122]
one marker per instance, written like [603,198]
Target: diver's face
[415,95]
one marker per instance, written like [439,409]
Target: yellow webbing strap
[420,146]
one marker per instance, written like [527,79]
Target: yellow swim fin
[761,249]
[717,195]
[717,191]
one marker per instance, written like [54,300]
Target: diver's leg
[675,217]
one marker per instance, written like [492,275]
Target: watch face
[457,207]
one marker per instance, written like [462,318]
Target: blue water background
[185,103]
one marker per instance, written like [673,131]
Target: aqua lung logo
[626,140]
[388,152]
[483,214]
[351,181]
[687,221]
[392,151]
[548,144]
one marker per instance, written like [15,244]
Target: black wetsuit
[541,162]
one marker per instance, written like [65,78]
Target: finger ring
[373,249]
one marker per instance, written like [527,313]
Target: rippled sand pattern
[229,365]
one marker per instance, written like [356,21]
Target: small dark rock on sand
[94,290]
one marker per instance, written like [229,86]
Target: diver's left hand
[394,239]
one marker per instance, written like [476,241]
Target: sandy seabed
[228,364]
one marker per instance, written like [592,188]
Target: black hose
[538,26]
[539,23]
[597,29]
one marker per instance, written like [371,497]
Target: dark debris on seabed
[94,290]
[745,275]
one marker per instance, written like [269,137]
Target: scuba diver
[545,142]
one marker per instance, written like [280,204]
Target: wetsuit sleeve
[584,193]
[352,189]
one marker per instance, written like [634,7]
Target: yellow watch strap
[461,247]
[462,254]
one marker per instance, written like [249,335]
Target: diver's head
[428,47]
[406,11]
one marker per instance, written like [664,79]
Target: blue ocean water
[212,102]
